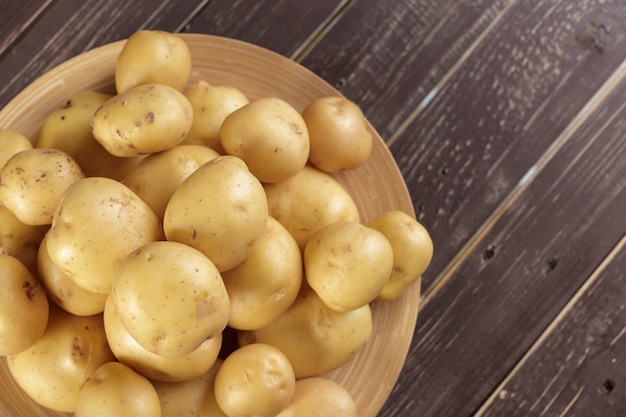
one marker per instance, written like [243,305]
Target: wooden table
[507,119]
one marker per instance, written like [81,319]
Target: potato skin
[20,240]
[12,143]
[320,397]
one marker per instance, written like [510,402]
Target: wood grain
[15,17]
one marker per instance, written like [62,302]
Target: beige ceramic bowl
[376,187]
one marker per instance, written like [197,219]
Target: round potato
[320,397]
[347,264]
[309,200]
[412,251]
[153,57]
[254,380]
[53,369]
[267,282]
[115,390]
[12,143]
[176,279]
[23,307]
[220,209]
[33,182]
[144,119]
[338,133]
[20,240]
[270,136]
[211,104]
[96,224]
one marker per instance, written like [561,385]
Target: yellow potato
[33,182]
[144,119]
[53,369]
[412,251]
[309,200]
[347,264]
[211,104]
[23,307]
[69,130]
[170,297]
[149,183]
[96,224]
[320,397]
[267,282]
[153,366]
[153,56]
[255,380]
[315,338]
[338,133]
[115,390]
[270,136]
[12,143]
[220,209]
[20,240]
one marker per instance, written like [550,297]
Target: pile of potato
[144,228]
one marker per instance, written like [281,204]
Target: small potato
[315,338]
[12,143]
[412,250]
[255,380]
[23,307]
[53,369]
[153,57]
[211,104]
[338,133]
[170,298]
[20,240]
[347,264]
[153,366]
[267,282]
[309,200]
[33,181]
[96,224]
[320,397]
[270,136]
[149,183]
[144,119]
[115,390]
[69,130]
[220,209]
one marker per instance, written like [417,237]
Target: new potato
[12,143]
[320,397]
[20,240]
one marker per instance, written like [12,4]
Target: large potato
[23,307]
[309,200]
[153,56]
[144,119]
[170,297]
[53,369]
[33,182]
[20,240]
[270,136]
[320,397]
[220,209]
[12,143]
[96,224]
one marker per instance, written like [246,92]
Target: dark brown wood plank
[15,17]
[539,250]
[578,368]
[284,26]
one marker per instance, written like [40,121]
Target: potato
[347,264]
[20,240]
[270,136]
[315,338]
[309,200]
[412,251]
[153,57]
[153,366]
[267,282]
[254,380]
[96,224]
[69,130]
[220,209]
[53,369]
[144,119]
[115,390]
[23,307]
[338,132]
[12,143]
[149,183]
[175,279]
[211,104]
[33,182]
[320,397]
[63,290]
